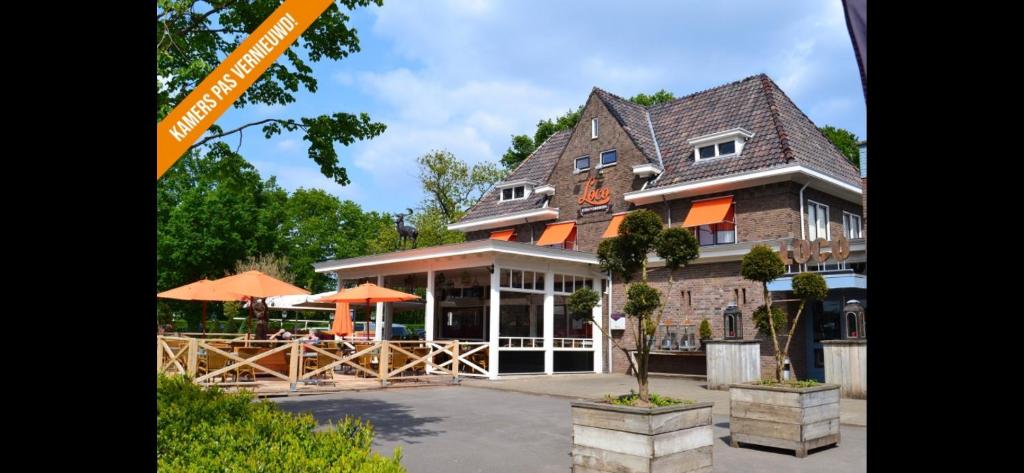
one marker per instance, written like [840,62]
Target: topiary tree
[640,233]
[705,329]
[764,265]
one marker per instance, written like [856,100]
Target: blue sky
[466,75]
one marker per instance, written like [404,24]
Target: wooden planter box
[611,438]
[793,418]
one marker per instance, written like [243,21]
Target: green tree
[524,145]
[640,233]
[451,185]
[659,97]
[213,211]
[845,141]
[194,36]
[764,265]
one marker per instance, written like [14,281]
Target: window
[512,193]
[817,220]
[582,163]
[718,233]
[726,148]
[593,128]
[609,158]
[851,225]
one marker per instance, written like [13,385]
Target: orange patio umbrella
[256,285]
[368,293]
[202,290]
[342,321]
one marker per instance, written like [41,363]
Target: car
[421,334]
[398,331]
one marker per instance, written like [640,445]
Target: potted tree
[791,414]
[640,431]
[705,333]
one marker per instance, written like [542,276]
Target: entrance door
[825,317]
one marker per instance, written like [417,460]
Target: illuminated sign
[594,196]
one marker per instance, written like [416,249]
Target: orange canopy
[342,321]
[202,290]
[368,293]
[556,233]
[707,212]
[613,226]
[258,285]
[503,235]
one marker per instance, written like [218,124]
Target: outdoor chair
[323,360]
[248,353]
[398,360]
[215,361]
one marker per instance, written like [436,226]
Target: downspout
[611,369]
[668,210]
[803,229]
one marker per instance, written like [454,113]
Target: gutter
[803,228]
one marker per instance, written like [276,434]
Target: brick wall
[836,207]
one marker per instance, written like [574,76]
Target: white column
[492,349]
[611,291]
[380,313]
[595,332]
[549,322]
[428,322]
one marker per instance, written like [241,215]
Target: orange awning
[503,235]
[707,212]
[556,233]
[613,226]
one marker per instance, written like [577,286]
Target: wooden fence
[213,361]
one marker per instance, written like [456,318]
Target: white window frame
[718,154]
[577,170]
[738,136]
[813,225]
[593,128]
[600,158]
[848,217]
[526,193]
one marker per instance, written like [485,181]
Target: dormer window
[593,128]
[722,144]
[516,190]
[582,163]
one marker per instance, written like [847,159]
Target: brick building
[739,164]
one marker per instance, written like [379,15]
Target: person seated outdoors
[281,335]
[311,338]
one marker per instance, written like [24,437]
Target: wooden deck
[295,367]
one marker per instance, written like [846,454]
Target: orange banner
[194,115]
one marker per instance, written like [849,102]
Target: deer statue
[404,231]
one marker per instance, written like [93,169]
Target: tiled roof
[783,135]
[536,167]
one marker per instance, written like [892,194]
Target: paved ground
[466,429]
[595,386]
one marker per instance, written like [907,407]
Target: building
[739,164]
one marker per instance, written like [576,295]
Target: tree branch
[239,130]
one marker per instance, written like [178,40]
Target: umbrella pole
[204,318]
[248,323]
[367,319]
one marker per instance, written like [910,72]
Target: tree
[640,233]
[659,97]
[524,145]
[763,265]
[193,36]
[844,141]
[269,264]
[451,185]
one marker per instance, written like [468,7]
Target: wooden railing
[213,361]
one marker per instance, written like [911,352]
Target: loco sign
[804,250]
[594,196]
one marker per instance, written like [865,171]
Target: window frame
[828,229]
[501,196]
[848,218]
[715,145]
[594,128]
[714,229]
[600,159]
[576,167]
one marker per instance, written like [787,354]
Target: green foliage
[656,400]
[705,329]
[522,147]
[761,320]
[193,37]
[641,300]
[451,185]
[807,383]
[659,97]
[641,228]
[844,141]
[582,302]
[626,254]
[610,254]
[809,286]
[762,264]
[210,430]
[677,246]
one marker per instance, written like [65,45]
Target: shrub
[761,320]
[705,329]
[656,400]
[210,430]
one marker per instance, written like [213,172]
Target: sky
[467,75]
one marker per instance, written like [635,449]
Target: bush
[761,320]
[705,329]
[656,400]
[210,430]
